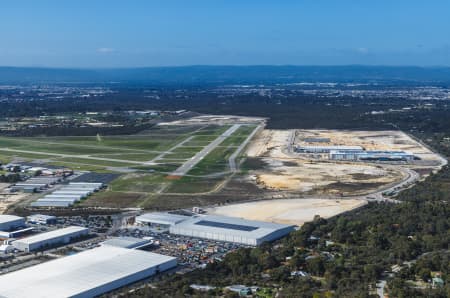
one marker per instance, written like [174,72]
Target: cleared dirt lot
[288,211]
[285,170]
[370,140]
[7,199]
[325,177]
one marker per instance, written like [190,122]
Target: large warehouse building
[162,220]
[49,239]
[327,149]
[11,222]
[85,274]
[231,229]
[68,194]
[372,155]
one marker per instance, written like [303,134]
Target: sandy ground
[287,211]
[270,143]
[305,177]
[370,140]
[7,199]
[289,171]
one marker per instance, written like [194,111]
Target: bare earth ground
[289,171]
[277,170]
[7,199]
[370,140]
[288,211]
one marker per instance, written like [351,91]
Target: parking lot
[190,252]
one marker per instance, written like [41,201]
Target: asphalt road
[188,165]
[161,155]
[232,159]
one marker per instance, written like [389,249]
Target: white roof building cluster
[327,149]
[85,274]
[231,229]
[68,195]
[11,222]
[48,239]
[127,242]
[160,218]
[220,228]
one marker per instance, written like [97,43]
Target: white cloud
[362,50]
[105,50]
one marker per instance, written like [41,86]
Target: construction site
[298,165]
[302,160]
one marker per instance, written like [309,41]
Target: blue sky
[136,33]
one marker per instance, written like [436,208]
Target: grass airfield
[145,160]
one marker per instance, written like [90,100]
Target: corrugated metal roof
[161,218]
[4,218]
[51,204]
[226,225]
[76,274]
[126,242]
[52,234]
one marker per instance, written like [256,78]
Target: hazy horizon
[220,65]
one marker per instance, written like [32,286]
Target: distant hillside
[193,75]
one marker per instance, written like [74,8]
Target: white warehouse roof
[52,234]
[126,242]
[85,274]
[8,222]
[161,218]
[4,218]
[231,229]
[335,147]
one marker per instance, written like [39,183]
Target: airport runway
[232,159]
[188,165]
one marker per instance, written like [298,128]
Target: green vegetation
[350,253]
[94,162]
[215,130]
[128,156]
[203,138]
[187,184]
[81,167]
[346,255]
[89,152]
[114,199]
[152,191]
[9,155]
[215,162]
[138,183]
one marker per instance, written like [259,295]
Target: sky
[140,33]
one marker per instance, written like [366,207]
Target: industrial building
[49,239]
[86,274]
[162,220]
[68,194]
[41,219]
[127,242]
[16,233]
[35,184]
[230,229]
[327,149]
[316,140]
[372,155]
[51,204]
[11,222]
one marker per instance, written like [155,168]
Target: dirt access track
[285,170]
